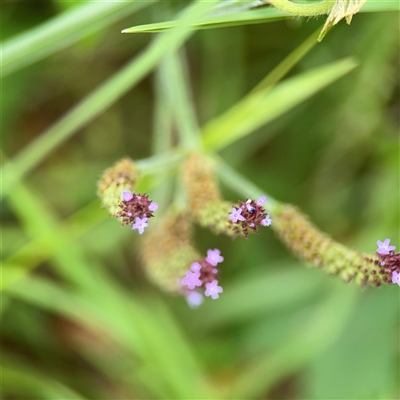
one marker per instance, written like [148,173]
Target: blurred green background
[80,319]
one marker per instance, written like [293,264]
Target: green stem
[303,10]
[244,186]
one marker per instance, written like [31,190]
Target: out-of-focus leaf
[101,98]
[146,329]
[20,381]
[265,105]
[251,296]
[311,338]
[217,21]
[62,31]
[365,359]
[48,244]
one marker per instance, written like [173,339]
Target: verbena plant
[148,352]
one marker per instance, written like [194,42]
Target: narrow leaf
[266,105]
[256,16]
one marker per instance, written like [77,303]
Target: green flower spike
[319,250]
[167,251]
[205,202]
[121,177]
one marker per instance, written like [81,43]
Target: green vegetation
[308,123]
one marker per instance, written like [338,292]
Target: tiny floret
[194,298]
[153,206]
[261,200]
[213,290]
[267,221]
[192,280]
[249,216]
[127,195]
[140,224]
[384,248]
[214,257]
[396,277]
[195,267]
[236,215]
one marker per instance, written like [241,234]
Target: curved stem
[303,10]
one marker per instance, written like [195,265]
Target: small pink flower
[236,216]
[140,224]
[384,248]
[192,280]
[396,277]
[267,221]
[194,298]
[261,200]
[195,267]
[212,289]
[153,206]
[214,257]
[127,195]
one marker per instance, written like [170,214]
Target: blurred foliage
[79,318]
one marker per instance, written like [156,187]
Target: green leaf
[257,16]
[29,383]
[62,31]
[217,21]
[265,105]
[50,242]
[312,336]
[102,98]
[251,296]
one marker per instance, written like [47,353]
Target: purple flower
[214,257]
[396,277]
[140,224]
[249,207]
[212,289]
[194,298]
[261,200]
[267,221]
[195,267]
[384,248]
[192,280]
[127,195]
[236,215]
[153,206]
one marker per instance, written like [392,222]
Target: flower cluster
[203,274]
[135,210]
[389,261]
[250,214]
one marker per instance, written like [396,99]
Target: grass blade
[266,105]
[256,16]
[29,383]
[62,31]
